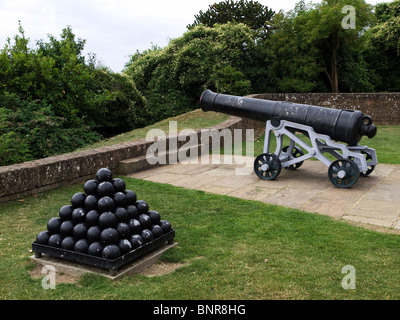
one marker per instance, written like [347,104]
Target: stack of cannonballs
[105,221]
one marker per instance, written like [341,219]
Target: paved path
[374,200]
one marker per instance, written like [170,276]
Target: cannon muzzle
[347,126]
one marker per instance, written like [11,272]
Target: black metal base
[39,249]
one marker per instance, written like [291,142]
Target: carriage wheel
[343,173]
[267,166]
[296,153]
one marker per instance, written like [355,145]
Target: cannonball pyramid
[105,220]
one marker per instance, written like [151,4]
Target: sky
[113,29]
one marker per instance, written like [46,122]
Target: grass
[235,249]
[386,143]
[196,119]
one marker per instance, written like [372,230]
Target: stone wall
[21,180]
[384,108]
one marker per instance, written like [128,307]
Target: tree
[317,38]
[220,58]
[293,61]
[383,47]
[327,32]
[251,13]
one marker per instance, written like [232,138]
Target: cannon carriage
[313,131]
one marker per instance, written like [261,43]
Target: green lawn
[386,143]
[235,249]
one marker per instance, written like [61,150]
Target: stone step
[146,162]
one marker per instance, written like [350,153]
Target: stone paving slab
[374,200]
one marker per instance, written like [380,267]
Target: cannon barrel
[347,126]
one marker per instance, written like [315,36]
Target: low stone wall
[25,179]
[33,177]
[384,108]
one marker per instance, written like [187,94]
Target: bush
[30,130]
[13,149]
[119,105]
[54,101]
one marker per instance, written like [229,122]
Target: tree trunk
[334,73]
[334,76]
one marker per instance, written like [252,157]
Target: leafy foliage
[292,58]
[172,79]
[309,42]
[383,50]
[251,13]
[30,130]
[54,101]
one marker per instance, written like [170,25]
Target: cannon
[329,135]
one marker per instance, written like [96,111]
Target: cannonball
[90,187]
[78,215]
[119,185]
[81,246]
[91,203]
[92,218]
[142,206]
[93,234]
[145,221]
[121,214]
[66,228]
[136,241]
[104,174]
[154,216]
[54,224]
[95,249]
[65,212]
[55,240]
[68,243]
[105,204]
[120,199]
[131,197]
[80,231]
[133,212]
[43,237]
[107,220]
[78,200]
[111,252]
[147,236]
[123,230]
[157,231]
[134,226]
[165,225]
[105,189]
[109,236]
[125,246]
